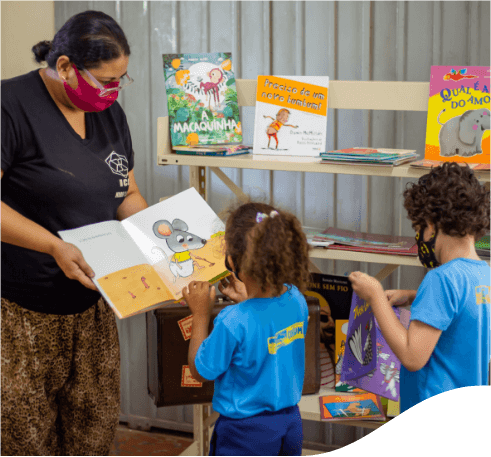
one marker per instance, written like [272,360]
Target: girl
[447,345]
[256,351]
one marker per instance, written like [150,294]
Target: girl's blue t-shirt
[454,298]
[256,355]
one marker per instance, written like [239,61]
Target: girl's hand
[200,297]
[233,288]
[365,286]
[70,259]
[400,297]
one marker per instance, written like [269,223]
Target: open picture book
[147,259]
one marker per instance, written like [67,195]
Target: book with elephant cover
[145,260]
[457,127]
[342,407]
[201,99]
[291,115]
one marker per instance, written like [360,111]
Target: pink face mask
[86,98]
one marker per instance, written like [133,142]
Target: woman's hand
[233,288]
[200,297]
[400,297]
[72,262]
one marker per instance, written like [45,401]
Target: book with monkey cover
[457,128]
[144,261]
[201,99]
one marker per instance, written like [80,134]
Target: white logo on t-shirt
[118,164]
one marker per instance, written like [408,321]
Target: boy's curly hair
[272,252]
[451,197]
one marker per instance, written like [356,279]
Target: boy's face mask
[426,250]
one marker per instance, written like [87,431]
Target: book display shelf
[362,95]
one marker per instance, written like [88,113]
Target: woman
[67,161]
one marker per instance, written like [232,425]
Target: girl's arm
[200,297]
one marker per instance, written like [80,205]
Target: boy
[447,345]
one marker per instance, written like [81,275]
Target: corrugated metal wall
[383,41]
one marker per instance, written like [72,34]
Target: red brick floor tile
[137,442]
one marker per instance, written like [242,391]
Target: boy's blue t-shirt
[454,298]
[256,355]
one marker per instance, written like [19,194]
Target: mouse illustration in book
[179,241]
[281,120]
[462,135]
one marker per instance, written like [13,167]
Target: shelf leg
[386,271]
[230,184]
[197,179]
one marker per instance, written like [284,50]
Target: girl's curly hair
[272,252]
[451,197]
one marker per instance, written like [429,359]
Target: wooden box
[167,355]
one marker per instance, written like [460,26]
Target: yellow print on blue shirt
[285,337]
[482,295]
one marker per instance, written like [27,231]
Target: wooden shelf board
[306,164]
[355,256]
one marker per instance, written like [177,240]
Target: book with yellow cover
[458,122]
[145,260]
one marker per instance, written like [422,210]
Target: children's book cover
[457,127]
[340,334]
[291,115]
[146,259]
[201,99]
[334,295]
[351,406]
[384,380]
[360,357]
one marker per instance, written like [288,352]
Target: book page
[182,239]
[122,273]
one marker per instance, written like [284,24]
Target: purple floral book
[359,357]
[384,380]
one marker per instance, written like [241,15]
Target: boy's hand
[200,297]
[233,288]
[400,297]
[365,286]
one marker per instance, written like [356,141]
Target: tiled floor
[136,442]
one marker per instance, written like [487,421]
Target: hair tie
[261,216]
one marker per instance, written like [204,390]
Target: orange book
[351,406]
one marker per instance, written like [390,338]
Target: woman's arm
[21,231]
[133,202]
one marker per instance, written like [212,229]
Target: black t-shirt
[60,181]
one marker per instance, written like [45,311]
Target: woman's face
[108,71]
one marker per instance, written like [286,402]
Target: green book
[483,243]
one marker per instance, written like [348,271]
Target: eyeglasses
[110,88]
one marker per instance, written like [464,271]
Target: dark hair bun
[41,50]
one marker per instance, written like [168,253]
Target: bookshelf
[364,95]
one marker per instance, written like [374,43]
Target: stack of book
[348,240]
[425,163]
[311,233]
[368,156]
